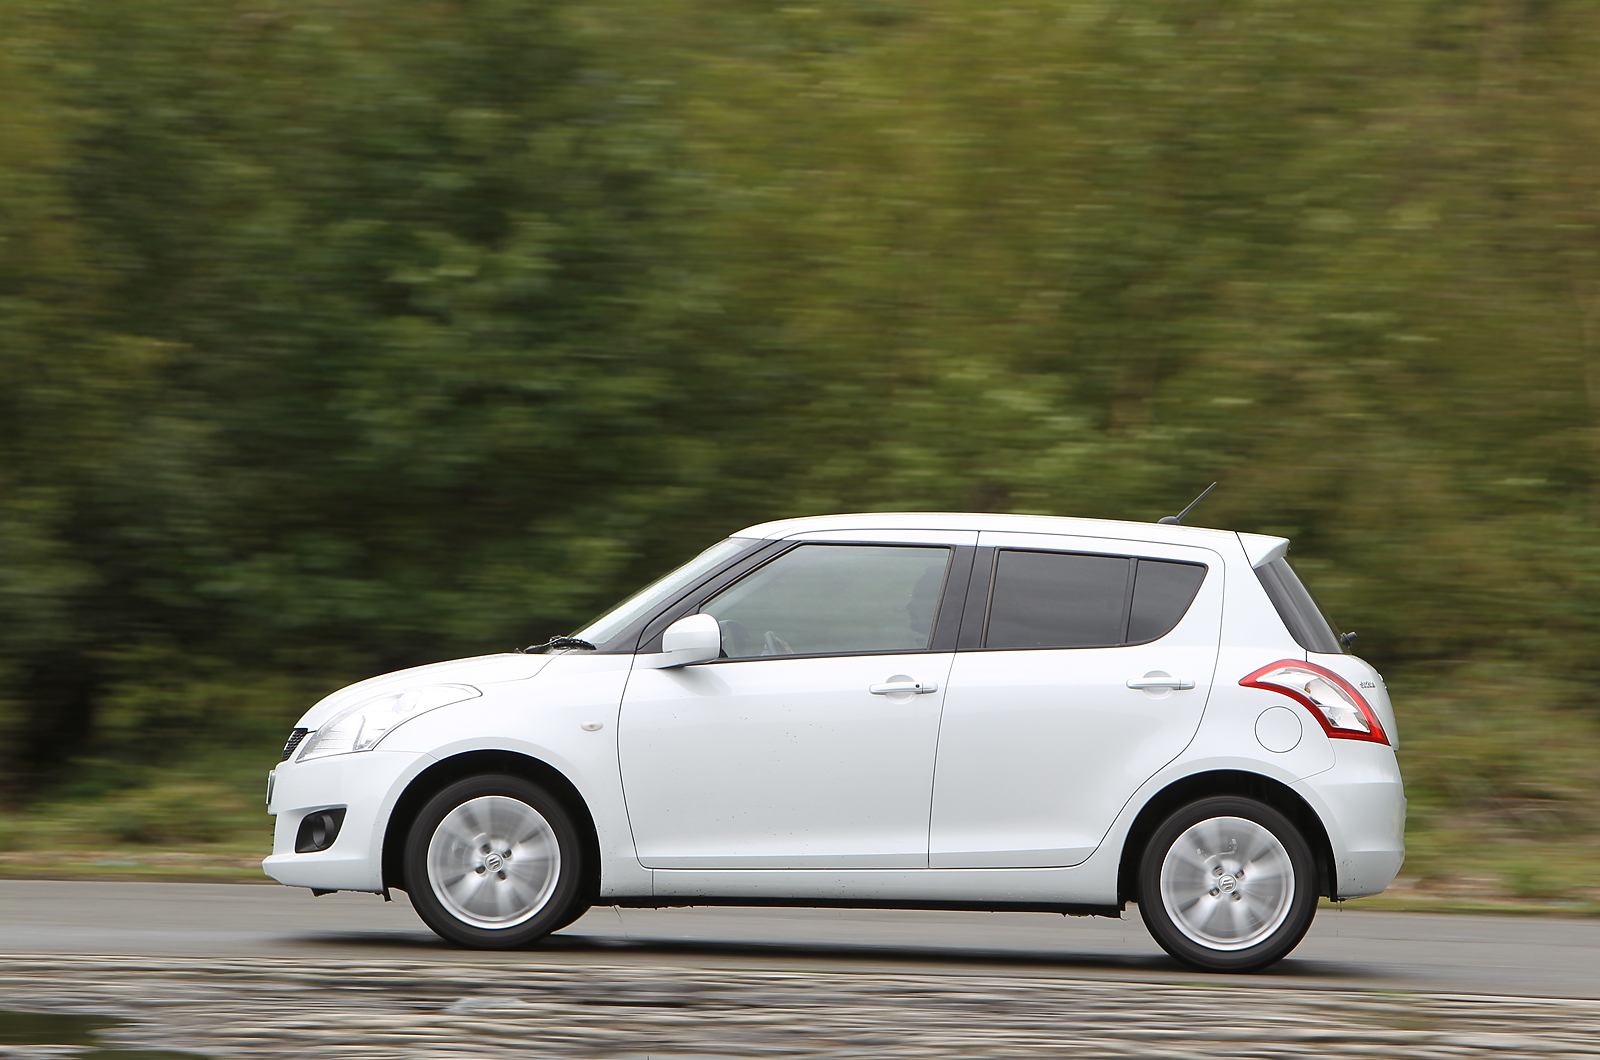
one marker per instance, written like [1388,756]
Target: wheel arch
[441,774]
[1242,783]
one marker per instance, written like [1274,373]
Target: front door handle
[1159,679]
[891,688]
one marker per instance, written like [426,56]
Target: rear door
[1086,668]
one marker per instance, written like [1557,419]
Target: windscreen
[1307,623]
[646,600]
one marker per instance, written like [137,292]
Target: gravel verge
[274,1007]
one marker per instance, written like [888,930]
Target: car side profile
[940,711]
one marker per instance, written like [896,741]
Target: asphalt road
[1346,949]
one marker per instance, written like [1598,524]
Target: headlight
[363,725]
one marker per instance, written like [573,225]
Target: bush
[173,813]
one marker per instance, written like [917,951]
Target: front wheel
[494,862]
[1227,884]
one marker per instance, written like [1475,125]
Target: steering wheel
[776,646]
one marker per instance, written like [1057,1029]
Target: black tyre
[494,862]
[580,906]
[1227,884]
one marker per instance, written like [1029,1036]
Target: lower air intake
[318,830]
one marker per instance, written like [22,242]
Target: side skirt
[678,901]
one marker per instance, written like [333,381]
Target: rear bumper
[1362,803]
[366,784]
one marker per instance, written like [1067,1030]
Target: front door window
[833,600]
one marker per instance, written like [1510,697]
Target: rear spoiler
[1261,550]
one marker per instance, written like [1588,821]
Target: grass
[214,863]
[204,821]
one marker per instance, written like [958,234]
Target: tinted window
[1057,600]
[1307,624]
[1162,593]
[827,599]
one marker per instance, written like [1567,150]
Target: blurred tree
[383,385]
[1082,259]
[338,338]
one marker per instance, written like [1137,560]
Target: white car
[934,711]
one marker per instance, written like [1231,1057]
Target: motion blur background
[340,336]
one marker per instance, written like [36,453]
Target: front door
[811,743]
[1044,740]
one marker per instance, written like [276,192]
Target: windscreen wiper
[556,643]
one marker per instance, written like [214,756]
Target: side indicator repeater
[1342,711]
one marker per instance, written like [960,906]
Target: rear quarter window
[1301,614]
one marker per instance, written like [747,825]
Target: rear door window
[1057,600]
[1078,600]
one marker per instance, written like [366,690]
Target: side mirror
[691,639]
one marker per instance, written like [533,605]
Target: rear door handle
[921,688]
[1159,679]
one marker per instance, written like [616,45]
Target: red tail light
[1343,712]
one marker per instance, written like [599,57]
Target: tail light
[1343,712]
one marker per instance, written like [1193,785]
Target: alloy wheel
[493,862]
[1227,883]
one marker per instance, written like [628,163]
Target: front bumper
[1362,803]
[366,784]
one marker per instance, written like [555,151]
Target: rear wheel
[494,862]
[1227,884]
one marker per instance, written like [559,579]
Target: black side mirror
[1347,639]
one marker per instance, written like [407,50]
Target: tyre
[577,911]
[494,862]
[1227,884]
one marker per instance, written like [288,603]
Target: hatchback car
[934,711]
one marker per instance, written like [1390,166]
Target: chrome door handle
[1157,679]
[921,688]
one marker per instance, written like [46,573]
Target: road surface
[1346,949]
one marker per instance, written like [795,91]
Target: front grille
[294,741]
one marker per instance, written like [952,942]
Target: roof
[1026,524]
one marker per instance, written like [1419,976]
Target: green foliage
[336,338]
[165,814]
[1528,771]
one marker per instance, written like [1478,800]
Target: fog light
[318,830]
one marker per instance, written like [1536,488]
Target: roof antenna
[1174,520]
